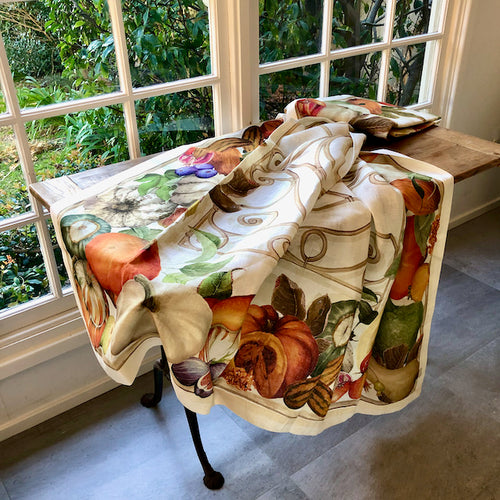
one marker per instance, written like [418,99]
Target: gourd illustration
[78,229]
[95,309]
[116,258]
[411,259]
[421,196]
[392,385]
[179,315]
[275,351]
[397,333]
[190,189]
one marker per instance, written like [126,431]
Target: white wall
[476,106]
[37,385]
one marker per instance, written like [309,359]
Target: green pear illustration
[397,333]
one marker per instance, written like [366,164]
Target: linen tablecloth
[287,276]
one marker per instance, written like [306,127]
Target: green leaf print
[143,232]
[218,285]
[202,268]
[209,245]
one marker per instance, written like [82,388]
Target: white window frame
[234,79]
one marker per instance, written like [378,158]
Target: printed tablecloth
[288,276]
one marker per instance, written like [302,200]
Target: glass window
[289,28]
[167,40]
[412,17]
[356,75]
[357,22]
[58,50]
[278,89]
[3,106]
[13,193]
[168,121]
[22,270]
[405,74]
[75,142]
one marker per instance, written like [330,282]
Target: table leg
[213,480]
[160,370]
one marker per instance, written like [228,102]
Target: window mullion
[390,12]
[118,30]
[219,60]
[10,97]
[238,35]
[49,257]
[326,44]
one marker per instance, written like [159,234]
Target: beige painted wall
[476,109]
[476,106]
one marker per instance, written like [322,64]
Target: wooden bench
[459,154]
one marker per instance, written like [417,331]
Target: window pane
[356,75]
[13,193]
[22,271]
[172,120]
[59,50]
[405,74]
[78,141]
[289,28]
[412,17]
[167,40]
[278,89]
[357,22]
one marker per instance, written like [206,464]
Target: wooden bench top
[459,154]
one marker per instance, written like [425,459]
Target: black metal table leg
[160,370]
[213,480]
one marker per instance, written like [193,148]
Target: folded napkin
[377,119]
[286,275]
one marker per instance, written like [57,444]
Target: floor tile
[476,379]
[137,453]
[3,492]
[287,491]
[437,448]
[293,452]
[179,472]
[466,317]
[473,248]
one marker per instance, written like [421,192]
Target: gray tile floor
[444,446]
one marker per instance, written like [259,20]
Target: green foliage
[22,271]
[185,117]
[166,40]
[30,56]
[289,28]
[14,201]
[98,133]
[29,50]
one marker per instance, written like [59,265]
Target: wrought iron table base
[213,480]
